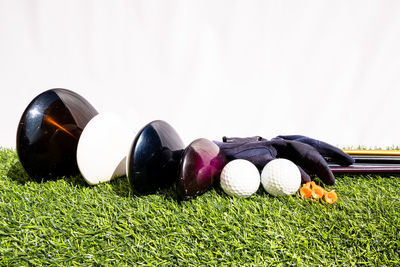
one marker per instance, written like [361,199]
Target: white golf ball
[281,177]
[240,178]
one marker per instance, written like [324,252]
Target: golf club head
[201,164]
[154,157]
[102,148]
[49,131]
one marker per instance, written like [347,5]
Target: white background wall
[326,69]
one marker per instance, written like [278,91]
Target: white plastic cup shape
[240,178]
[281,177]
[103,147]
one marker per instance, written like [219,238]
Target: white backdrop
[326,69]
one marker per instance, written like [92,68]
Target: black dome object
[154,157]
[48,133]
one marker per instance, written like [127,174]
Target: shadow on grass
[76,180]
[17,173]
[169,194]
[119,185]
[218,189]
[122,187]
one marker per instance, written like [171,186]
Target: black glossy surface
[153,160]
[48,133]
[201,164]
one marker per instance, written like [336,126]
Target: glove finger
[304,176]
[305,156]
[331,152]
[321,168]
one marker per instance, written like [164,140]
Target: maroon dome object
[48,133]
[201,165]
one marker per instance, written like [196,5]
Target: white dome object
[103,147]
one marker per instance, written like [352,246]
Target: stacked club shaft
[370,161]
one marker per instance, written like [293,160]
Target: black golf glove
[306,152]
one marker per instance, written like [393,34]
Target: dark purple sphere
[201,165]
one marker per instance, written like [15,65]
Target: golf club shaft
[377,159]
[366,169]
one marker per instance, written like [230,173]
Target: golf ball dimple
[281,177]
[240,178]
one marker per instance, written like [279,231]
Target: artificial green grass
[66,222]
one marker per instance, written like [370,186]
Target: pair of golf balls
[279,177]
